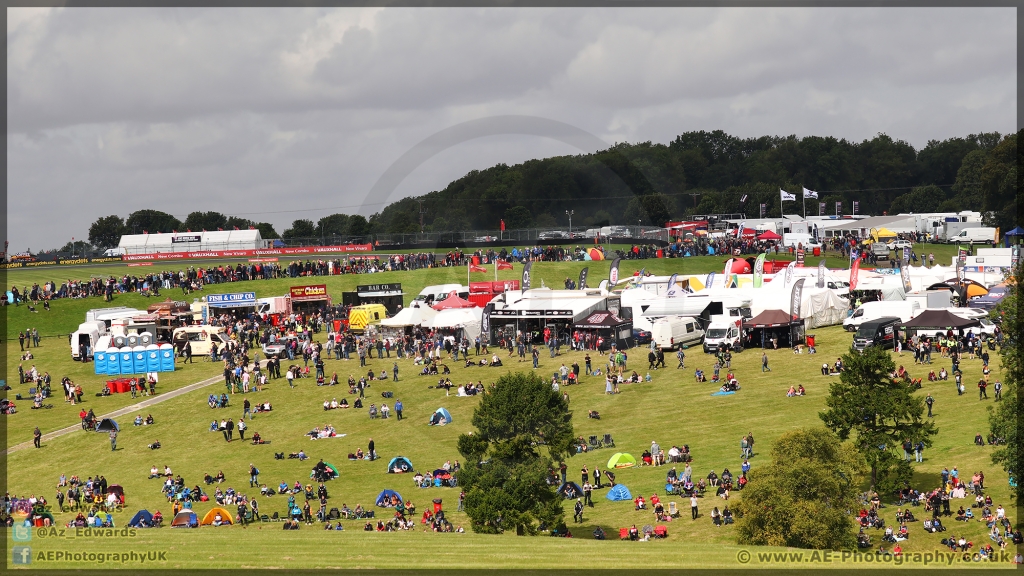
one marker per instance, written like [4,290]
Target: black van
[880,332]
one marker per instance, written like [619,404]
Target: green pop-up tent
[621,460]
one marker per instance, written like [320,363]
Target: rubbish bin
[817,251]
[661,253]
[476,260]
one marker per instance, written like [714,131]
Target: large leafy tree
[206,221]
[803,498]
[301,229]
[878,413]
[151,221]
[521,426]
[1004,418]
[106,231]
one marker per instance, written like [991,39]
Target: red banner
[854,270]
[313,292]
[140,263]
[254,260]
[304,250]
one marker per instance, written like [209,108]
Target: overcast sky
[278,114]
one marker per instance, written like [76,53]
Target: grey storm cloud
[295,113]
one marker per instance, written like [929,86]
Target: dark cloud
[273,110]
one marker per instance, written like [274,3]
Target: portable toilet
[99,360]
[166,358]
[152,358]
[124,357]
[113,364]
[139,359]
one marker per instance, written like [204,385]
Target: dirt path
[149,401]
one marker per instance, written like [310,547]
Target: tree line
[645,183]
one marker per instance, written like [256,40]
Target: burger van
[201,338]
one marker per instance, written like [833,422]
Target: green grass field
[672,409]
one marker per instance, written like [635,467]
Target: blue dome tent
[399,464]
[387,494]
[140,516]
[570,490]
[441,416]
[619,492]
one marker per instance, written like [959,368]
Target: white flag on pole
[810,193]
[786,196]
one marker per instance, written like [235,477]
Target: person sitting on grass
[699,376]
[824,370]
[639,503]
[800,391]
[495,361]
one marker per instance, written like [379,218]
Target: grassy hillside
[672,409]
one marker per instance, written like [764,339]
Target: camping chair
[276,517]
[673,510]
[264,518]
[334,514]
[608,440]
[660,531]
[594,443]
[623,533]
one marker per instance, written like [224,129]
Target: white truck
[724,331]
[905,310]
[87,335]
[672,332]
[433,294]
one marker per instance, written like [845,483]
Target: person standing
[982,385]
[370,450]
[536,356]
[113,439]
[562,468]
[998,386]
[462,501]
[929,401]
[395,371]
[764,363]
[241,428]
[587,496]
[290,376]
[584,474]
[597,477]
[246,408]
[188,352]
[21,340]
[231,429]
[578,511]
[586,359]
[919,451]
[693,506]
[37,437]
[681,356]
[398,408]
[35,337]
[254,475]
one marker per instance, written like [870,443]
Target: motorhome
[87,335]
[905,310]
[804,241]
[433,294]
[673,332]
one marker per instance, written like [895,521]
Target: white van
[88,333]
[976,235]
[201,338]
[724,333]
[113,252]
[433,294]
[672,332]
[905,310]
[805,240]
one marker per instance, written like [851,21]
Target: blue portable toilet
[99,360]
[139,359]
[124,358]
[113,364]
[166,358]
[152,358]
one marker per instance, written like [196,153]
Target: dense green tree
[804,497]
[152,221]
[878,413]
[521,427]
[920,199]
[106,231]
[206,221]
[1005,417]
[333,225]
[518,217]
[267,231]
[301,229]
[999,182]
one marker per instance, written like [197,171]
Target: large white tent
[192,241]
[468,319]
[414,315]
[818,306]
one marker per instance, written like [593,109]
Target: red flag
[219,229]
[236,227]
[502,225]
[502,265]
[145,231]
[854,270]
[475,268]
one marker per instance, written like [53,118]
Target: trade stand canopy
[940,319]
[769,235]
[453,301]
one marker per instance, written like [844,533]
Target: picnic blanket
[720,393]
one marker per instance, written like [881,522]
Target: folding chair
[276,517]
[608,440]
[593,443]
[623,533]
[673,510]
[264,518]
